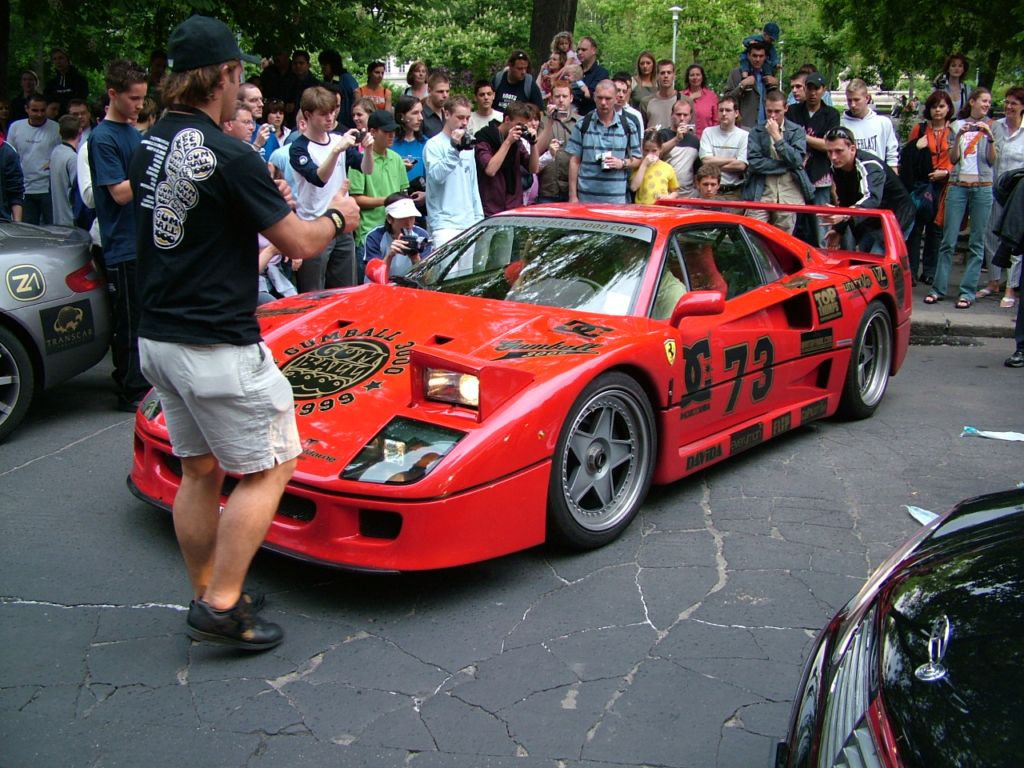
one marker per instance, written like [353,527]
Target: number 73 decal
[697,370]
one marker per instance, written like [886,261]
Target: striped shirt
[595,183]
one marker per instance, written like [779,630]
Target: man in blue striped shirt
[603,148]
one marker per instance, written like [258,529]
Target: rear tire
[603,463]
[870,363]
[17,382]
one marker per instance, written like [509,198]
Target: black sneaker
[1016,360]
[255,601]
[238,627]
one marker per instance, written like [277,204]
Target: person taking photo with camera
[450,165]
[398,241]
[502,159]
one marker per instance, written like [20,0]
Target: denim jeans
[978,200]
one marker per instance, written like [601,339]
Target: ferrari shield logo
[670,351]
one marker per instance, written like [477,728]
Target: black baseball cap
[814,80]
[382,120]
[200,41]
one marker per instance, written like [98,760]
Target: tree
[549,18]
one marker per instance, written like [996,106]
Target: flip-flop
[932,298]
[1008,302]
[964,303]
[983,293]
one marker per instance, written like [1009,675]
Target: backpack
[589,119]
[527,82]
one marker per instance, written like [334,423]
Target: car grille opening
[293,507]
[377,524]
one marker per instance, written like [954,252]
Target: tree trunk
[5,41]
[549,18]
[989,68]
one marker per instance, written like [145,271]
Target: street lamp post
[675,29]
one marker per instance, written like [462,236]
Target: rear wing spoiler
[892,234]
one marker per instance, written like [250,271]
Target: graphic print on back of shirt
[187,161]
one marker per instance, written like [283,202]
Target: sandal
[1008,302]
[983,293]
[964,303]
[932,298]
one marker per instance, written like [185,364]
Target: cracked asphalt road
[681,644]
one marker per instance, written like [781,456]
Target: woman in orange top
[374,88]
[934,135]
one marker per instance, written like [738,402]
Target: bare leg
[196,517]
[243,526]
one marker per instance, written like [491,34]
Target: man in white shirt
[725,146]
[450,168]
[874,132]
[35,138]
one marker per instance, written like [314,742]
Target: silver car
[54,321]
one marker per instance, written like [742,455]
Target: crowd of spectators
[568,130]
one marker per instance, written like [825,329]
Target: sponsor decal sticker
[813,342]
[278,311]
[701,458]
[25,283]
[581,328]
[697,373]
[827,302]
[309,451]
[746,438]
[815,410]
[881,276]
[861,282]
[515,348]
[67,327]
[781,424]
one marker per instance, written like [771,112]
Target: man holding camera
[680,146]
[603,149]
[554,138]
[450,167]
[501,159]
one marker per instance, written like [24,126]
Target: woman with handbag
[930,139]
[972,150]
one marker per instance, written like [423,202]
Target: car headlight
[403,452]
[452,387]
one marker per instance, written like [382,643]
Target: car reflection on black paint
[924,666]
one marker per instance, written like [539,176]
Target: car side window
[765,257]
[671,284]
[718,259]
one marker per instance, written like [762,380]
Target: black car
[925,666]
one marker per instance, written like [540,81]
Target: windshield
[593,266]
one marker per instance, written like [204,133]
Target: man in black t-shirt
[817,119]
[201,197]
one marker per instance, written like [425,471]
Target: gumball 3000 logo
[332,368]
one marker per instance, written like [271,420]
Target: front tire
[870,363]
[603,463]
[17,382]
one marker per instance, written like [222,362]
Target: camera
[530,136]
[414,243]
[359,135]
[468,141]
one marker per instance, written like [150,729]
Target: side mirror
[697,303]
[377,271]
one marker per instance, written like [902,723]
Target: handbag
[923,197]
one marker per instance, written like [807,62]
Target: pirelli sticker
[826,300]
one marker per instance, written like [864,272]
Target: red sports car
[533,377]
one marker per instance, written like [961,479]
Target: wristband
[337,219]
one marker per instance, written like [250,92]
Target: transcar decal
[858,283]
[781,424]
[67,327]
[279,311]
[581,328]
[332,364]
[746,438]
[670,351]
[814,342]
[514,349]
[813,411]
[827,302]
[308,451]
[701,458]
[880,276]
[25,282]
[898,283]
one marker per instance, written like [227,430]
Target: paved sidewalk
[943,323]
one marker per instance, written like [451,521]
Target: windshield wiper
[404,281]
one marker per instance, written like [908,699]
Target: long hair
[406,103]
[965,110]
[193,87]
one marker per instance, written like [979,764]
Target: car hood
[349,355]
[952,664]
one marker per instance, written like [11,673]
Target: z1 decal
[827,302]
[881,276]
[586,330]
[815,410]
[736,357]
[25,283]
